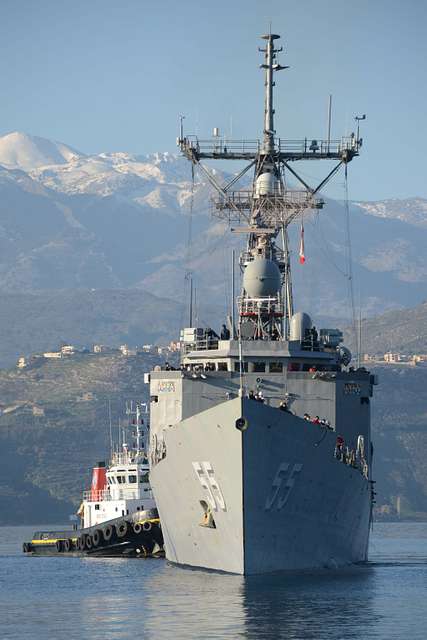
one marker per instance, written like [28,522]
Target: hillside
[399,421]
[403,331]
[54,426]
[36,322]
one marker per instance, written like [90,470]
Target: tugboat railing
[119,494]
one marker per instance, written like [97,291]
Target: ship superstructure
[260,448]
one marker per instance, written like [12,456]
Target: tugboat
[118,514]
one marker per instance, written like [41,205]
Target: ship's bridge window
[222,366]
[258,367]
[132,479]
[244,366]
[276,367]
[121,479]
[144,477]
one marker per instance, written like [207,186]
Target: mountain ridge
[119,220]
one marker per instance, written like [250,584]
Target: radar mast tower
[266,301]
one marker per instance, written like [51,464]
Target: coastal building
[67,350]
[392,357]
[99,348]
[127,351]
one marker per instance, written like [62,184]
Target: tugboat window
[276,367]
[259,367]
[132,479]
[144,477]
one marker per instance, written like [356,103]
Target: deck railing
[116,494]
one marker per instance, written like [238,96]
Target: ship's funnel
[99,482]
[261,278]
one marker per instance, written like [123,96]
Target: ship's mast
[137,410]
[266,301]
[270,65]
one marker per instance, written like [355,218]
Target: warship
[260,448]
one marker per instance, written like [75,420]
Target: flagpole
[301,247]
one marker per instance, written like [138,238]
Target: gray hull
[280,499]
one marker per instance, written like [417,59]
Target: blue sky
[109,76]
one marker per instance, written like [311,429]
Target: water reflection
[328,605]
[114,599]
[186,603]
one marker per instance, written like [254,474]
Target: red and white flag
[301,246]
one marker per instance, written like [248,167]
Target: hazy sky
[109,76]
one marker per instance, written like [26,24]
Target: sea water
[55,598]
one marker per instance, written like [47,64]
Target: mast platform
[217,148]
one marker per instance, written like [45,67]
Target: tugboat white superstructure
[124,487]
[260,447]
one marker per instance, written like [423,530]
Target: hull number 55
[205,473]
[282,485]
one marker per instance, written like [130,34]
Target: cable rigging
[350,262]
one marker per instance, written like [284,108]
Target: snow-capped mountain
[411,210]
[72,220]
[22,151]
[159,181]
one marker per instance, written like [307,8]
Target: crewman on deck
[339,447]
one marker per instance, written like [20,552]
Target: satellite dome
[266,185]
[261,278]
[300,324]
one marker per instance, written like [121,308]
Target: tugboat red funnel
[99,482]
